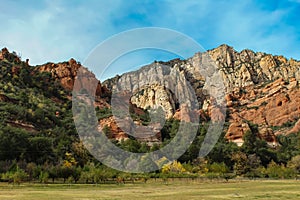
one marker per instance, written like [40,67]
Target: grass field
[234,189]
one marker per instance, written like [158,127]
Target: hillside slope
[262,97]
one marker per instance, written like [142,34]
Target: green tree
[240,163]
[289,147]
[19,175]
[87,172]
[294,164]
[53,173]
[64,172]
[253,164]
[76,174]
[30,170]
[222,152]
[40,149]
[218,168]
[131,145]
[43,177]
[13,143]
[253,145]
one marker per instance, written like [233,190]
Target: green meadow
[175,190]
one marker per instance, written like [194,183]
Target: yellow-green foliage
[174,167]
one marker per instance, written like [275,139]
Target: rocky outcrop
[236,130]
[260,89]
[154,96]
[156,85]
[295,129]
[245,68]
[271,107]
[66,73]
[11,57]
[115,131]
[4,53]
[120,130]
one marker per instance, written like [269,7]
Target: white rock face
[157,85]
[155,96]
[240,69]
[168,84]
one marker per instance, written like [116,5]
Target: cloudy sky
[57,30]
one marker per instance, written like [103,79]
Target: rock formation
[66,73]
[260,89]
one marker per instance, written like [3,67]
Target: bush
[295,164]
[220,168]
[212,175]
[174,167]
[43,177]
[16,177]
[279,171]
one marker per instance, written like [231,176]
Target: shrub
[43,177]
[294,164]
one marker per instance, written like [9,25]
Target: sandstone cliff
[66,73]
[245,68]
[260,89]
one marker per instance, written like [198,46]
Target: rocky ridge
[246,68]
[66,73]
[260,89]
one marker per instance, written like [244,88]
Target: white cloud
[58,30]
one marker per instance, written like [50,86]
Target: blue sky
[52,30]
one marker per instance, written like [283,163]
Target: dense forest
[39,142]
